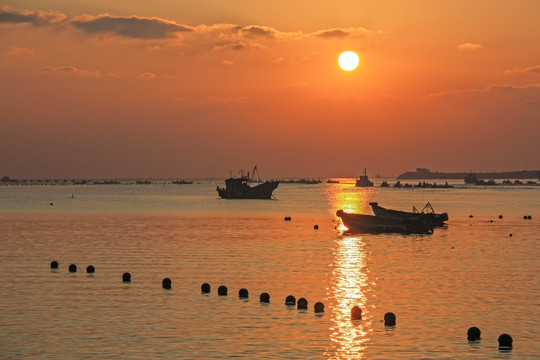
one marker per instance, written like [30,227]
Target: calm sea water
[472,273]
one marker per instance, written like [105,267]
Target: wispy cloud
[147,76]
[71,70]
[19,51]
[520,71]
[492,88]
[130,26]
[469,47]
[37,18]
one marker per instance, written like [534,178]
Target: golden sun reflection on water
[349,279]
[349,283]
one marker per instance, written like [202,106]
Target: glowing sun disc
[348,60]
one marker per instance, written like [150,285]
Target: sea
[482,270]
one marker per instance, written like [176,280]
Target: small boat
[471,178]
[385,184]
[238,188]
[361,223]
[363,181]
[330,181]
[427,214]
[182,182]
[490,182]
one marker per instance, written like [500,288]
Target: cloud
[147,76]
[493,88]
[529,105]
[469,47]
[227,62]
[131,26]
[19,51]
[341,33]
[520,71]
[258,31]
[71,70]
[37,18]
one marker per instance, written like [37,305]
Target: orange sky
[132,89]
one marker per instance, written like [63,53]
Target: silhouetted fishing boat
[361,223]
[238,188]
[427,214]
[363,181]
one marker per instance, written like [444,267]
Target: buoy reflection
[349,285]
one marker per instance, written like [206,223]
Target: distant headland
[426,174]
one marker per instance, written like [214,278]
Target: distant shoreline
[426,174]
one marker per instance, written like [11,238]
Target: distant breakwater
[425,174]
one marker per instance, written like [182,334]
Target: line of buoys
[290,300]
[390,319]
[205,288]
[473,334]
[72,268]
[90,269]
[166,283]
[54,264]
[243,293]
[301,304]
[264,297]
[126,277]
[222,290]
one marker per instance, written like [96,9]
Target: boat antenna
[255,170]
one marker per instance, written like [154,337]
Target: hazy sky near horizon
[136,89]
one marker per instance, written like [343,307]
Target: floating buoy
[510,235]
[222,290]
[72,268]
[500,216]
[525,217]
[51,204]
[54,265]
[126,277]
[529,217]
[243,293]
[356,313]
[473,334]
[316,227]
[90,269]
[205,288]
[264,297]
[301,304]
[471,216]
[505,341]
[287,218]
[166,283]
[389,319]
[318,307]
[290,300]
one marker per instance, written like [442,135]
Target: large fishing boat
[361,223]
[427,214]
[239,188]
[363,181]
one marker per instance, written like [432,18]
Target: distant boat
[302,181]
[385,184]
[143,182]
[484,182]
[330,181]
[427,214]
[182,182]
[360,223]
[363,181]
[238,188]
[471,178]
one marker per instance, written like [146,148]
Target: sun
[348,60]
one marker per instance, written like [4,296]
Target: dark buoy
[471,216]
[529,217]
[524,217]
[318,307]
[126,277]
[166,283]
[510,235]
[90,269]
[264,297]
[505,341]
[389,319]
[473,334]
[500,216]
[243,293]
[290,300]
[287,218]
[222,290]
[301,304]
[54,265]
[316,227]
[356,313]
[72,268]
[51,204]
[205,288]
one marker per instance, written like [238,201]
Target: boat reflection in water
[349,285]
